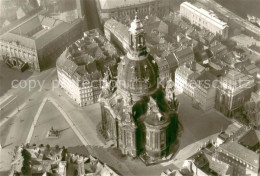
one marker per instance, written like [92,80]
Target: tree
[57,147]
[26,161]
[25,170]
[48,146]
[63,154]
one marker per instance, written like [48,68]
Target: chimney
[193,65]
[178,38]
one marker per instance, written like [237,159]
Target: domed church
[136,116]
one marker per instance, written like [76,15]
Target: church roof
[137,76]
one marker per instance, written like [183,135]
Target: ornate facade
[233,91]
[36,45]
[122,9]
[136,116]
[204,19]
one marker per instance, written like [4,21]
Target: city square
[136,87]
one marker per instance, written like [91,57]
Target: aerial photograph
[129,87]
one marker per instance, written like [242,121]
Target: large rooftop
[37,31]
[207,14]
[111,4]
[80,59]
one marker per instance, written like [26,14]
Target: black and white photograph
[129,87]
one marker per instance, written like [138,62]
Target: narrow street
[92,14]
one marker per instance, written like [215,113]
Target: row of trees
[26,169]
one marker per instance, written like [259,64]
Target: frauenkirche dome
[136,71]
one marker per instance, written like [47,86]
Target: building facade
[38,38]
[136,130]
[205,91]
[119,9]
[241,153]
[204,19]
[185,77]
[77,67]
[233,91]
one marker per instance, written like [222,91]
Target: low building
[167,65]
[204,19]
[55,161]
[80,66]
[203,164]
[184,55]
[170,172]
[42,160]
[241,151]
[168,62]
[218,50]
[117,33]
[39,38]
[233,91]
[252,106]
[120,9]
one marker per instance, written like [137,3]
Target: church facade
[136,114]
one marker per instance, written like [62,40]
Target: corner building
[136,116]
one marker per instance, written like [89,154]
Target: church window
[129,139]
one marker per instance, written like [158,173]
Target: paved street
[92,15]
[25,116]
[51,117]
[197,124]
[15,129]
[198,128]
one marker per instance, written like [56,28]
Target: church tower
[137,71]
[137,37]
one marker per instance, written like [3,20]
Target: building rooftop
[235,81]
[118,29]
[251,140]
[80,59]
[207,14]
[182,54]
[112,4]
[255,48]
[206,79]
[219,47]
[203,160]
[37,31]
[241,152]
[192,73]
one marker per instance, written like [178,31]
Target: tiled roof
[160,26]
[205,77]
[79,60]
[119,29]
[218,48]
[241,152]
[182,54]
[251,140]
[204,161]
